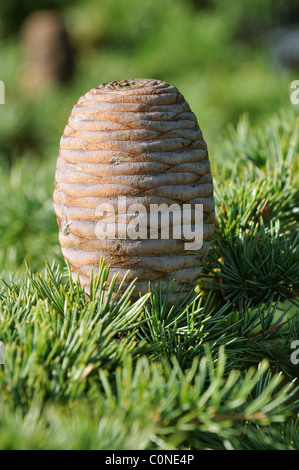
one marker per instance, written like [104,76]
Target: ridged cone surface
[136,138]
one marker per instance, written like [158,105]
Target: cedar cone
[136,138]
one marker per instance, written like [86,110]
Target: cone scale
[131,142]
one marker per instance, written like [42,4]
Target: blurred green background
[227,57]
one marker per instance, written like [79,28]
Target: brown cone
[136,138]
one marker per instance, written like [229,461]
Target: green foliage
[255,249]
[13,13]
[193,48]
[257,264]
[26,212]
[252,18]
[55,337]
[198,409]
[100,370]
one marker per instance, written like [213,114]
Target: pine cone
[136,139]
